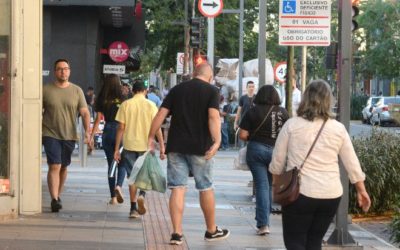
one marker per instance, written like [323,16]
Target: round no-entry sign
[210,8]
[280,72]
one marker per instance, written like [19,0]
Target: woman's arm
[243,134]
[280,152]
[95,129]
[363,199]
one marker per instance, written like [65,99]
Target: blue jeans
[108,140]
[179,166]
[224,135]
[258,158]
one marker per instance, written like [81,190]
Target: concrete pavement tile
[123,225]
[45,235]
[123,236]
[36,244]
[79,234]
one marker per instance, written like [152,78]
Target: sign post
[304,23]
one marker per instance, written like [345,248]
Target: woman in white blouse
[306,220]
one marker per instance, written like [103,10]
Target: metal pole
[289,79]
[187,38]
[262,44]
[210,41]
[191,49]
[82,145]
[341,236]
[241,17]
[303,68]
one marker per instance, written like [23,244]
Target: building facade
[33,34]
[20,107]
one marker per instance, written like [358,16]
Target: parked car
[366,112]
[385,110]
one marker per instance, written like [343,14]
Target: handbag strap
[312,146]
[263,121]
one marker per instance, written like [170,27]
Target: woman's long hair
[316,101]
[110,92]
[267,95]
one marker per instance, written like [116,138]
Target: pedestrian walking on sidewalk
[194,138]
[260,126]
[134,116]
[62,102]
[107,105]
[306,220]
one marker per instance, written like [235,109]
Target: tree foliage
[379,38]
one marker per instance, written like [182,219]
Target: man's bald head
[203,72]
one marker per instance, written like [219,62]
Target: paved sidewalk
[88,222]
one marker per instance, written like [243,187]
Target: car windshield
[375,100]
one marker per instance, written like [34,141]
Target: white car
[366,112]
[384,110]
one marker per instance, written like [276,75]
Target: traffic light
[196,32]
[199,59]
[331,56]
[354,12]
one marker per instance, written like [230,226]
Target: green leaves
[379,37]
[380,160]
[395,227]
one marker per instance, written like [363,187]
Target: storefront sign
[4,186]
[118,51]
[114,69]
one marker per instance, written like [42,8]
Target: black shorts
[58,151]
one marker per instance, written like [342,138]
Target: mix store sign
[118,52]
[305,22]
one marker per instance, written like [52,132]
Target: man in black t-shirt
[194,138]
[245,103]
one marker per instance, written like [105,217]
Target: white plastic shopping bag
[136,168]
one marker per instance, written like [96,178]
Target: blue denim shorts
[58,151]
[179,166]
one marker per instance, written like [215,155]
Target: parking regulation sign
[304,22]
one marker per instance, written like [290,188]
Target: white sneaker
[263,230]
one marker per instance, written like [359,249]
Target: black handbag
[286,186]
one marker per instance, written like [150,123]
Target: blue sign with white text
[289,7]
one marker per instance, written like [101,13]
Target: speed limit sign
[280,72]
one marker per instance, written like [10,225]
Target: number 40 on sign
[280,72]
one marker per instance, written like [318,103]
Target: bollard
[82,145]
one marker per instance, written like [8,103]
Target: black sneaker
[219,234]
[176,239]
[55,206]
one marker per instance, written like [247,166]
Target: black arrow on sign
[213,4]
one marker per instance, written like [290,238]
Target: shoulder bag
[286,186]
[242,165]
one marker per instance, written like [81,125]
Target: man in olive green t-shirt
[62,102]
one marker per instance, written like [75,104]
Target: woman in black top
[107,104]
[260,126]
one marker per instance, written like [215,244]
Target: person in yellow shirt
[135,116]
